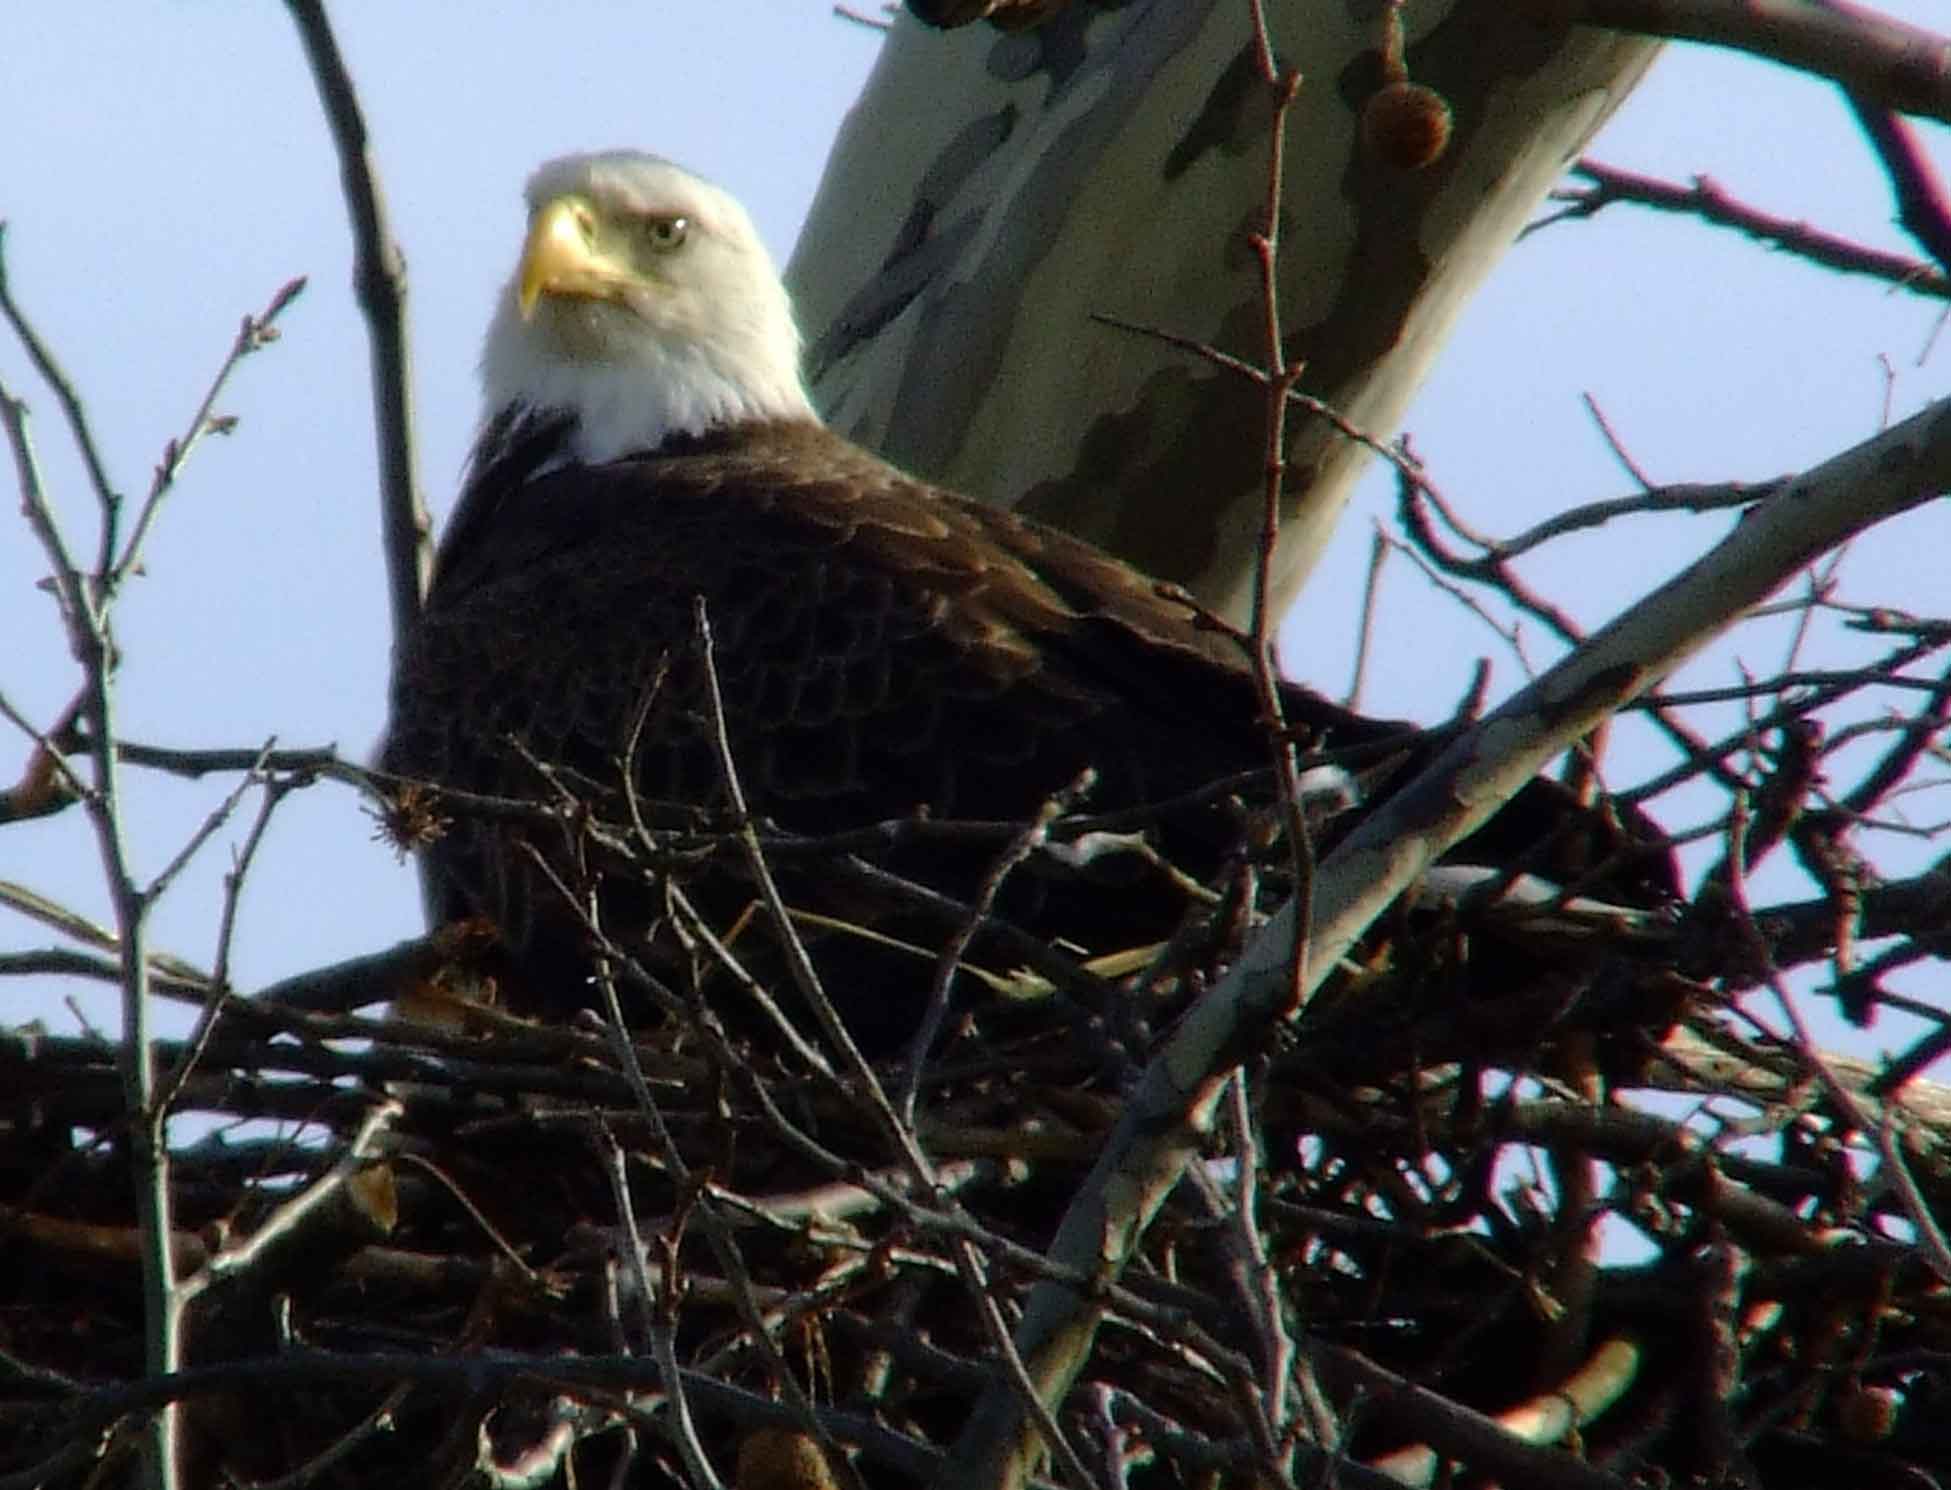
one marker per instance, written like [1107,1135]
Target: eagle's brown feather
[882,648]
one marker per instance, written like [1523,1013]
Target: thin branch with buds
[1705,199]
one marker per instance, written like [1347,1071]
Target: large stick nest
[1424,1207]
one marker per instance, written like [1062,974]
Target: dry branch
[1881,59]
[1707,200]
[379,285]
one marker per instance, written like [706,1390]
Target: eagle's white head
[645,305]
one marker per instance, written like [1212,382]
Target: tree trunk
[991,192]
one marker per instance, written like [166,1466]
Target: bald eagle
[883,648]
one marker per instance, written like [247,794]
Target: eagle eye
[667,233]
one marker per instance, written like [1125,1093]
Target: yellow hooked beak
[561,257]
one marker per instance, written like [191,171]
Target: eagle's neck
[522,443]
[627,395]
[520,446]
[601,416]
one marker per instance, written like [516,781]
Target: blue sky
[165,168]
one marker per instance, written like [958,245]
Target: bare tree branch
[380,285]
[1706,200]
[85,601]
[1899,66]
[1921,204]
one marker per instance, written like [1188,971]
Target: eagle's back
[881,648]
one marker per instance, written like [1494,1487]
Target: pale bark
[988,194]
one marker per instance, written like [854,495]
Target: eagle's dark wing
[881,648]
